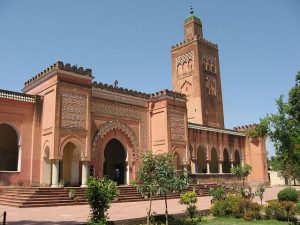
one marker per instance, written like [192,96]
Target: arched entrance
[69,167]
[201,159]
[9,151]
[226,162]
[115,161]
[46,167]
[214,161]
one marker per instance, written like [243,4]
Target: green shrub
[290,208]
[274,210]
[248,210]
[217,193]
[226,207]
[100,194]
[189,199]
[281,210]
[288,194]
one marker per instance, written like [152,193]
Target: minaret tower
[196,73]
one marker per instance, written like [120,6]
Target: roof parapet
[134,93]
[194,38]
[245,127]
[60,65]
[167,92]
[17,96]
[120,90]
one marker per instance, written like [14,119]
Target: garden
[230,205]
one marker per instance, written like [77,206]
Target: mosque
[63,125]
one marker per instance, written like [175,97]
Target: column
[84,173]
[207,167]
[55,172]
[220,167]
[127,181]
[19,158]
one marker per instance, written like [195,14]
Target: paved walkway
[71,215]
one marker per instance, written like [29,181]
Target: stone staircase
[45,196]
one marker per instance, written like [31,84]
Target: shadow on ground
[29,222]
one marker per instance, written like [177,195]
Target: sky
[129,41]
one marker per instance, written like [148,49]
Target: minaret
[196,73]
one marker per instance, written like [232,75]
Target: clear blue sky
[129,41]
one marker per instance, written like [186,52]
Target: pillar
[55,172]
[19,158]
[127,173]
[207,167]
[84,173]
[220,167]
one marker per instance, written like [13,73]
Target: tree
[260,190]
[100,194]
[283,129]
[158,176]
[146,182]
[167,178]
[241,172]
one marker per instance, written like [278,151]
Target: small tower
[196,73]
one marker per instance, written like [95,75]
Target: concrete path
[71,215]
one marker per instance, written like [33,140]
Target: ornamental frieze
[177,126]
[73,110]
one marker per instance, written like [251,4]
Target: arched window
[226,162]
[237,158]
[201,160]
[214,161]
[9,150]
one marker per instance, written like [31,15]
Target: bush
[281,210]
[274,210]
[288,194]
[100,194]
[226,207]
[217,193]
[189,199]
[248,210]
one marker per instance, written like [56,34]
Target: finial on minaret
[191,10]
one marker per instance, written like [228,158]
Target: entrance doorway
[115,161]
[69,166]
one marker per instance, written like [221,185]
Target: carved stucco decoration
[73,110]
[115,125]
[211,85]
[122,111]
[209,63]
[185,58]
[177,126]
[185,65]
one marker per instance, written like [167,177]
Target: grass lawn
[233,221]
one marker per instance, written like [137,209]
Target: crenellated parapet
[134,93]
[191,40]
[61,66]
[120,90]
[245,127]
[169,93]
